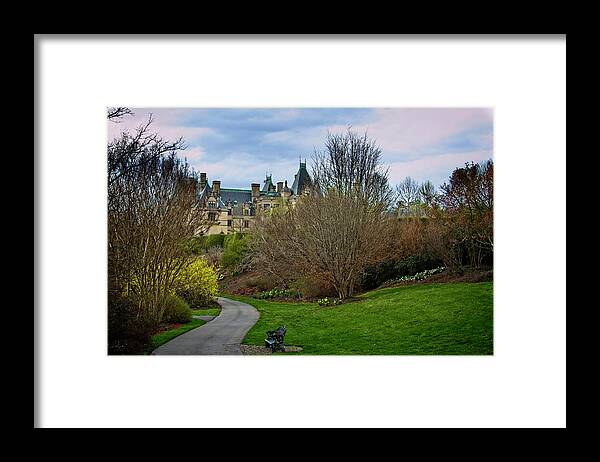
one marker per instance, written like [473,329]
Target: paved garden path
[221,336]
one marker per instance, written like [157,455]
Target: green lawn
[422,319]
[207,312]
[211,308]
[163,337]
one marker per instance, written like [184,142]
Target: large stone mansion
[233,210]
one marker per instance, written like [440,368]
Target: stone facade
[233,210]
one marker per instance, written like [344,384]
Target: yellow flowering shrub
[197,283]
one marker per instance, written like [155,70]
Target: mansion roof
[234,197]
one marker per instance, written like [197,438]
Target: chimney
[279,186]
[202,180]
[255,190]
[216,187]
[285,192]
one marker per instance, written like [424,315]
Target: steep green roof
[301,179]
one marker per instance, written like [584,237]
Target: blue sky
[238,146]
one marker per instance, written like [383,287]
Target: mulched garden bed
[471,276]
[164,327]
[447,276]
[262,350]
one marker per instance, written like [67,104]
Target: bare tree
[428,192]
[350,165]
[155,213]
[131,151]
[238,224]
[213,255]
[152,211]
[334,232]
[408,196]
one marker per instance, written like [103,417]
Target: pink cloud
[165,122]
[192,154]
[434,168]
[407,130]
[229,173]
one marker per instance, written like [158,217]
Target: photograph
[300,231]
[309,231]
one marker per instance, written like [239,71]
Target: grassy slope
[211,309]
[207,312]
[437,319]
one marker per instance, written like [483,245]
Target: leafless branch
[115,113]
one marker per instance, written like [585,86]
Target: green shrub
[376,275]
[176,310]
[415,264]
[235,247]
[215,240]
[196,245]
[199,245]
[197,283]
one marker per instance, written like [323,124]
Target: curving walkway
[221,336]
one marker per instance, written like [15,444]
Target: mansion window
[229,223]
[212,216]
[245,223]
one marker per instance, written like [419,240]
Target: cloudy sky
[238,146]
